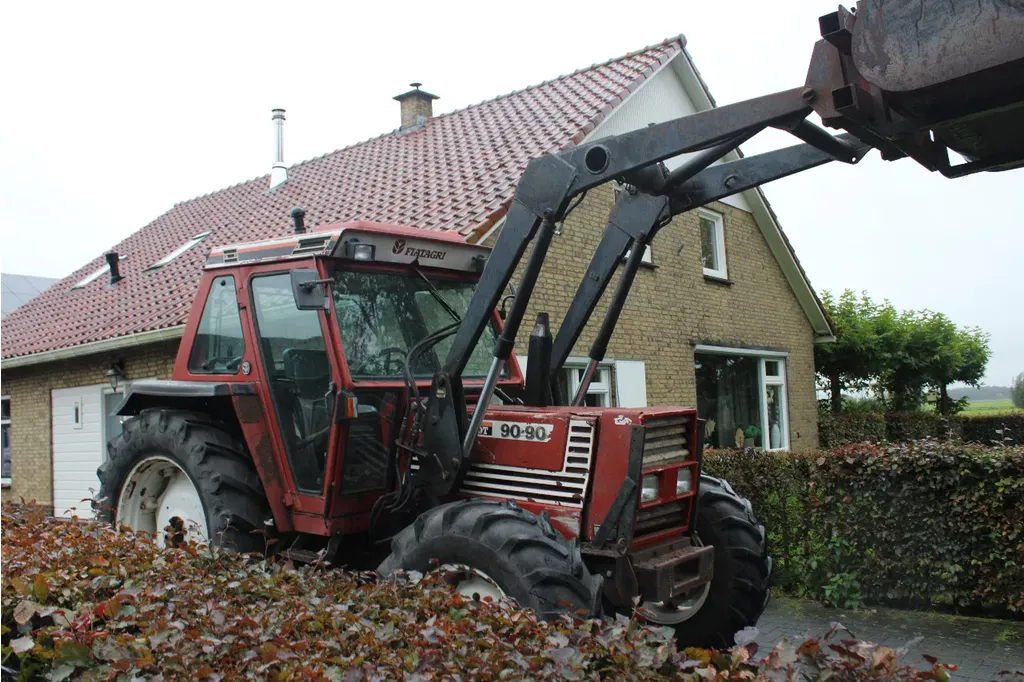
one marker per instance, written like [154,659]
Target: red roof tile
[457,172]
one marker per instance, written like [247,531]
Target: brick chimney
[417,106]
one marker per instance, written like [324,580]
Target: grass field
[980,407]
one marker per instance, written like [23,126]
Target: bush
[852,427]
[1002,429]
[902,427]
[81,600]
[927,523]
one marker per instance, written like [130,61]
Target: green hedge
[1006,429]
[927,523]
[900,427]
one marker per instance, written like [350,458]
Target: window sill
[717,279]
[5,483]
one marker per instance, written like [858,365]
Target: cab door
[301,379]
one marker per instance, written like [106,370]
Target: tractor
[349,393]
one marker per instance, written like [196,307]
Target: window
[712,243]
[5,438]
[383,315]
[299,375]
[91,277]
[599,393]
[180,250]
[218,347]
[743,397]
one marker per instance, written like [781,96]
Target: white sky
[113,112]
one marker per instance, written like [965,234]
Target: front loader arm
[638,216]
[541,199]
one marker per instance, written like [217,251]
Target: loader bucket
[951,71]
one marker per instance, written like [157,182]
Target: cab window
[219,346]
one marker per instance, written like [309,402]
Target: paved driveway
[981,647]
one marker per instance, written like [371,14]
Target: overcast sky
[113,112]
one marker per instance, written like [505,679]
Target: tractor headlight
[683,482]
[649,488]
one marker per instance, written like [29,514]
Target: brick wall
[672,307]
[29,389]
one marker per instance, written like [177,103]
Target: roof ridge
[680,39]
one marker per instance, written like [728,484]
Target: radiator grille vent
[230,255]
[567,487]
[661,517]
[666,441]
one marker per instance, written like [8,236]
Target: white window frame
[779,381]
[722,272]
[6,421]
[195,239]
[764,381]
[93,276]
[600,385]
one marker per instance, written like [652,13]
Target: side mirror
[309,291]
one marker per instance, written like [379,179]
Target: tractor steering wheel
[385,358]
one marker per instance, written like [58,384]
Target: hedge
[83,601]
[899,427]
[922,524]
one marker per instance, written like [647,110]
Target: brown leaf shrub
[83,601]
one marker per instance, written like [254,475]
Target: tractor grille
[566,487]
[666,440]
[666,443]
[661,517]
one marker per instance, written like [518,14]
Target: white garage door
[81,427]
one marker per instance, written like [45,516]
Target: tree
[863,339]
[931,352]
[1017,391]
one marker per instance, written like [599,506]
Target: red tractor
[351,393]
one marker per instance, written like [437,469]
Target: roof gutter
[94,347]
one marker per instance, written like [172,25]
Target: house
[722,316]
[17,290]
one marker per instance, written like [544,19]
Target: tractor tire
[192,458]
[738,592]
[516,551]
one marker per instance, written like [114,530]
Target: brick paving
[982,648]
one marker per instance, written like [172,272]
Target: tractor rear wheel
[499,549]
[181,475]
[738,591]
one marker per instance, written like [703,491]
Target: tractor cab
[333,331]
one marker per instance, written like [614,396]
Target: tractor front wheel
[180,475]
[738,591]
[499,549]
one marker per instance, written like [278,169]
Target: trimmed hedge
[900,427]
[1006,429]
[926,523]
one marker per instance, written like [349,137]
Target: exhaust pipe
[114,263]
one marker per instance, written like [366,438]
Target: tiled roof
[456,172]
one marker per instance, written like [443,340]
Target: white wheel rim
[159,498]
[472,583]
[678,610]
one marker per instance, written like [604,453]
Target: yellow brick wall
[673,306]
[29,389]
